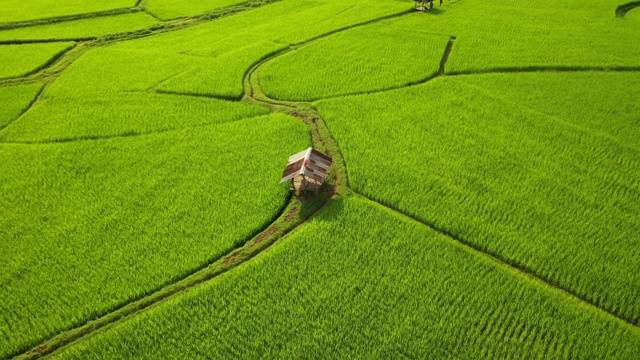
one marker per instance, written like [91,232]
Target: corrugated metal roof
[309,163]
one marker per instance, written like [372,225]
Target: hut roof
[310,163]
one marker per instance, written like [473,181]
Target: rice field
[24,10]
[482,203]
[22,60]
[173,9]
[341,288]
[159,206]
[81,28]
[15,100]
[535,190]
[63,119]
[373,57]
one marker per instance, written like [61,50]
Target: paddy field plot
[82,28]
[113,115]
[15,100]
[21,60]
[88,226]
[359,281]
[173,9]
[546,35]
[24,10]
[368,58]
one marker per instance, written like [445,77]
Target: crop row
[87,226]
[525,186]
[358,281]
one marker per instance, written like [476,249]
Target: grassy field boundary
[523,70]
[33,101]
[507,263]
[622,10]
[55,58]
[531,69]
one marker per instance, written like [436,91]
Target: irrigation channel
[296,210]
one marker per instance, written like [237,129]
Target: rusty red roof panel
[310,163]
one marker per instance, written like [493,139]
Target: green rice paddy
[483,202]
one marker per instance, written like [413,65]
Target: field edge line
[506,263]
[623,9]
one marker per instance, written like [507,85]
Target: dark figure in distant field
[432,3]
[441,2]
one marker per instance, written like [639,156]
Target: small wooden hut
[308,169]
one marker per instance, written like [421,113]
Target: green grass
[58,119]
[91,225]
[23,10]
[536,190]
[15,100]
[83,28]
[379,56]
[360,282]
[173,9]
[22,60]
